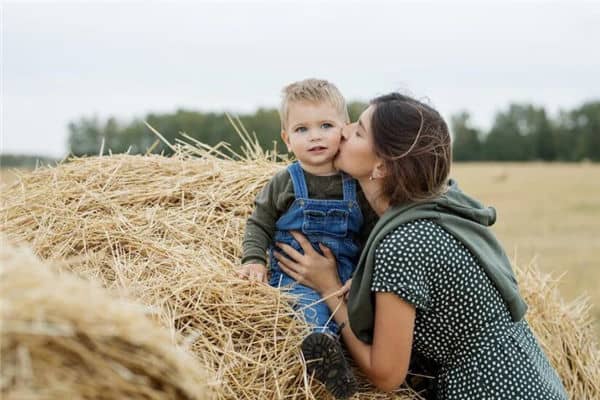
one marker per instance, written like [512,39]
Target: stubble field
[548,214]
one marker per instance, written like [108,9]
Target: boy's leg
[321,349]
[315,310]
[307,301]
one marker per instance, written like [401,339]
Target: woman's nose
[344,132]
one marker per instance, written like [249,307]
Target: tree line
[25,161]
[524,132]
[520,132]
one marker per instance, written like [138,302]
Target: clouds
[61,61]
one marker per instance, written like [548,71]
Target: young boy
[311,197]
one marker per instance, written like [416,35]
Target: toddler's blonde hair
[313,91]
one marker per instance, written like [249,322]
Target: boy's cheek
[339,138]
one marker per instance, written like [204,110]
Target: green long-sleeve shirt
[276,198]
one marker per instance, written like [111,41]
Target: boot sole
[324,357]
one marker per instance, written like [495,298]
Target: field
[547,213]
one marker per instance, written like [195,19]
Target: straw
[565,331]
[66,338]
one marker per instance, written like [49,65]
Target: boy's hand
[253,272]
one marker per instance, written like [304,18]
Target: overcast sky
[61,61]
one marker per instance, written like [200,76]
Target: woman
[432,282]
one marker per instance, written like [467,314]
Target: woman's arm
[385,361]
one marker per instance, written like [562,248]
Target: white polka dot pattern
[462,324]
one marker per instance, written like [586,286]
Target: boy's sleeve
[260,226]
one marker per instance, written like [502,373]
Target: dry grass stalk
[65,338]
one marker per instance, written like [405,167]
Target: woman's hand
[345,290]
[311,269]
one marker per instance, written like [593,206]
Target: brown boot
[324,356]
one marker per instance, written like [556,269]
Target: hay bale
[565,331]
[168,232]
[66,338]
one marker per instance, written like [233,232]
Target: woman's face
[356,156]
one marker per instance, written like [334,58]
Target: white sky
[61,61]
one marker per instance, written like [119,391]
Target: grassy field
[547,213]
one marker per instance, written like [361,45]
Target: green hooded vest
[463,217]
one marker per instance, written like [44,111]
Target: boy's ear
[286,139]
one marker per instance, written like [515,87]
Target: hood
[454,201]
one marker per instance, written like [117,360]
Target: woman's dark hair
[414,143]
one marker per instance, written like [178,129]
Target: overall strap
[349,185]
[300,189]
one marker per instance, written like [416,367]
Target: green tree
[578,133]
[24,161]
[466,144]
[521,133]
[267,127]
[355,108]
[543,134]
[85,136]
[587,123]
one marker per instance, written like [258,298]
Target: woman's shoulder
[415,245]
[419,231]
[403,264]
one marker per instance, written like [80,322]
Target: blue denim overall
[334,223]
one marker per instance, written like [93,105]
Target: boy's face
[313,132]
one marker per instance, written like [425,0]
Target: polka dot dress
[462,325]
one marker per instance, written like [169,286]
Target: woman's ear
[379,171]
[286,139]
